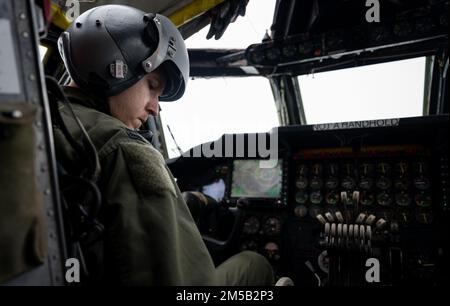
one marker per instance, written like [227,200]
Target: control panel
[341,198]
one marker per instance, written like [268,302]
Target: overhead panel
[179,11]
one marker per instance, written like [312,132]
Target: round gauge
[303,170]
[424,217]
[365,183]
[383,168]
[422,183]
[333,169]
[316,197]
[301,197]
[403,199]
[423,199]
[323,262]
[272,251]
[332,198]
[316,183]
[301,182]
[401,168]
[317,169]
[384,183]
[366,169]
[349,170]
[367,199]
[251,225]
[420,168]
[348,183]
[332,183]
[314,211]
[405,216]
[384,199]
[300,211]
[401,183]
[249,245]
[272,226]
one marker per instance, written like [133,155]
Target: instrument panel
[386,181]
[328,206]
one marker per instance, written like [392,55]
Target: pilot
[122,61]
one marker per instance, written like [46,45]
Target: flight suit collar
[79,96]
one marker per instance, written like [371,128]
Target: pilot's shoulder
[144,163]
[129,140]
[105,131]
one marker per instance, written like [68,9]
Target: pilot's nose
[153,105]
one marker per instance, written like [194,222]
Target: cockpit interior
[318,198]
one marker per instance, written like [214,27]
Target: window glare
[388,90]
[213,107]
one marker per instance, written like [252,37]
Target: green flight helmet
[109,48]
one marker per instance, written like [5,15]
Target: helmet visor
[171,53]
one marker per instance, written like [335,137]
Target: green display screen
[251,181]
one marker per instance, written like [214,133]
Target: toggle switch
[370,219]
[327,229]
[355,197]
[350,231]
[344,198]
[329,217]
[321,219]
[360,219]
[339,216]
[333,229]
[380,224]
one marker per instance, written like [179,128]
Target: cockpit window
[245,31]
[388,90]
[213,107]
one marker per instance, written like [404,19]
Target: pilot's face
[134,105]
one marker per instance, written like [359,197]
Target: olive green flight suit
[150,236]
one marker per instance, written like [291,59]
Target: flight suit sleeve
[151,238]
